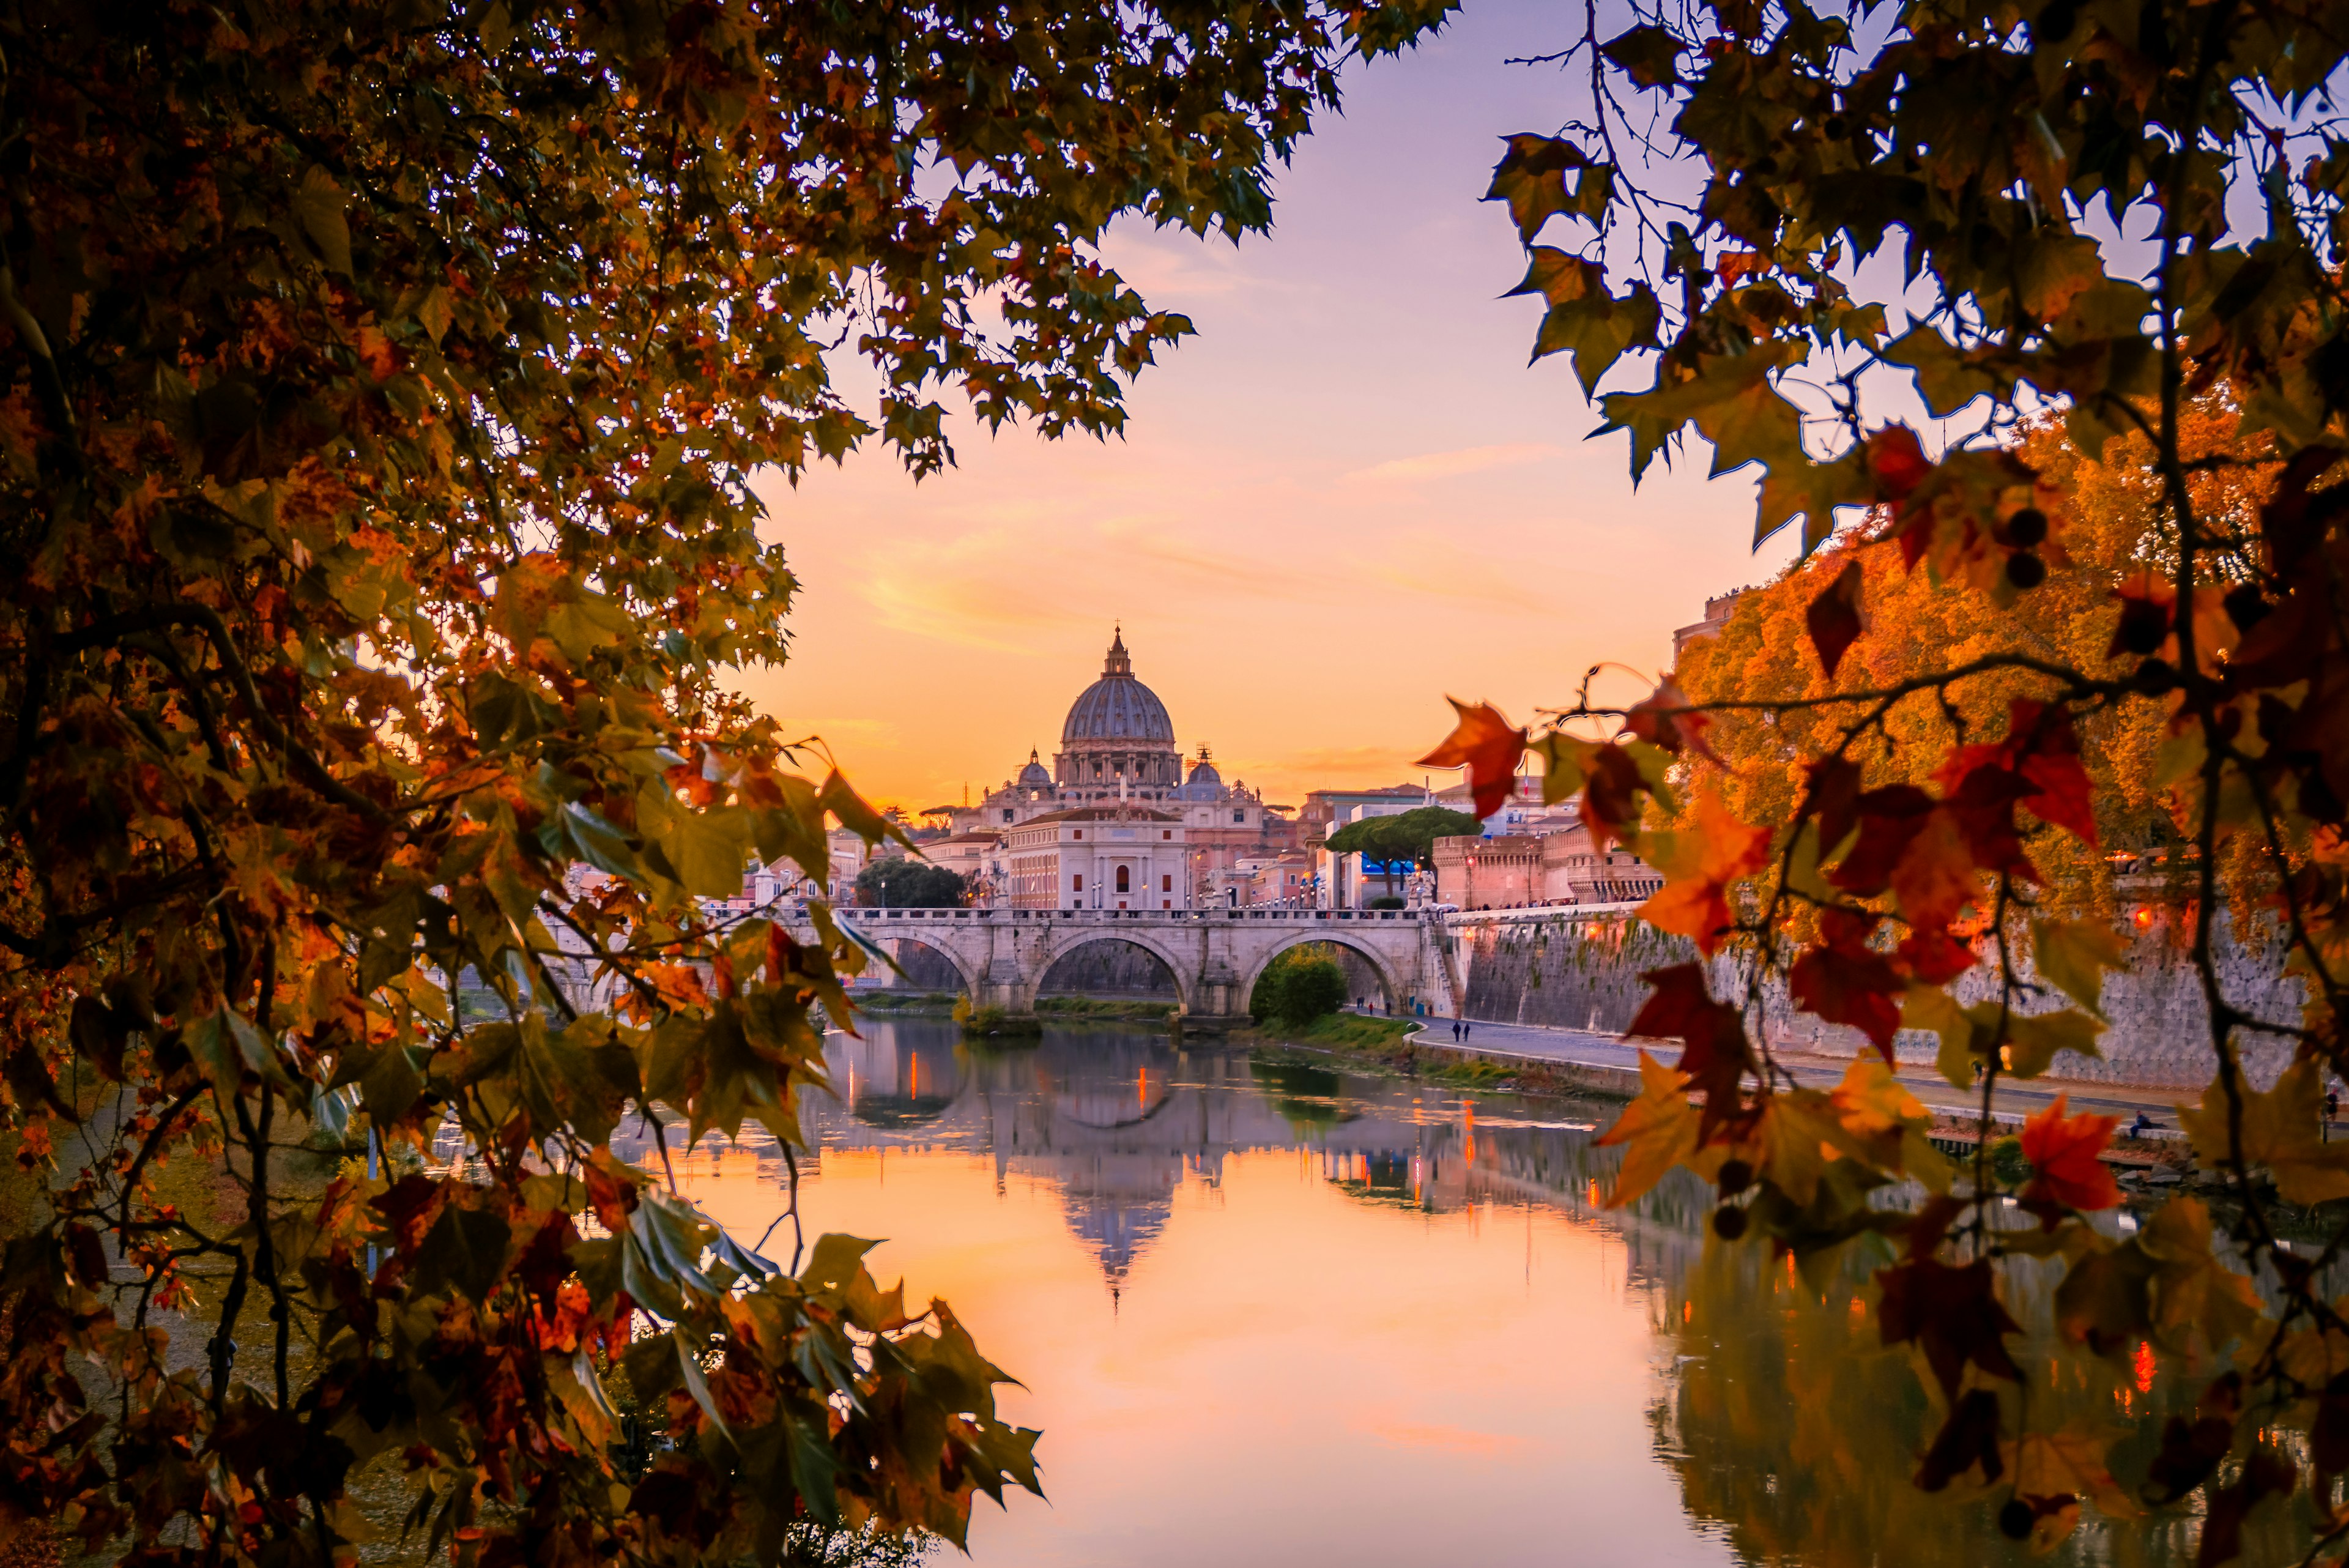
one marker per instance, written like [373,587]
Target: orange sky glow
[1347,497]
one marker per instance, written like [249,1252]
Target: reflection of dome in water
[1117,707]
[1117,1231]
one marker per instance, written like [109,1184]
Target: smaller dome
[1205,782]
[1035,775]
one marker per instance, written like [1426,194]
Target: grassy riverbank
[1059,1007]
[1397,1043]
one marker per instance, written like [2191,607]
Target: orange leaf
[1488,746]
[1698,864]
[2063,1151]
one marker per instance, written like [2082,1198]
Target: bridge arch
[1104,949]
[1389,980]
[945,950]
[1058,947]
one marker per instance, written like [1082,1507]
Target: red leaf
[1716,1058]
[2265,1473]
[1834,617]
[1610,797]
[1935,957]
[1835,799]
[2063,1153]
[1969,1438]
[1898,462]
[410,1207]
[1653,722]
[1954,1314]
[1853,986]
[1488,746]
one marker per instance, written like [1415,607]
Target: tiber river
[1270,1312]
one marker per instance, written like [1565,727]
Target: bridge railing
[1107,917]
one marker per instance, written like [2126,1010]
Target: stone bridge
[1214,955]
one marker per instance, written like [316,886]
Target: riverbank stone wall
[1572,969]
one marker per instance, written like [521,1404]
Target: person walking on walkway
[1456,1031]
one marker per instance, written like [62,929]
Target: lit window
[1007,814]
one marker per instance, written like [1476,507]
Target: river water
[1266,1311]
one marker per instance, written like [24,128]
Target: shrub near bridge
[1298,987]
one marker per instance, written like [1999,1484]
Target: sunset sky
[1348,496]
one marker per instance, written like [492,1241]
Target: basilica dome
[1035,775]
[1117,707]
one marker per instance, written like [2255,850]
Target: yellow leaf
[1658,1131]
[2280,1130]
[2193,1290]
[2074,954]
[2033,1041]
[1700,865]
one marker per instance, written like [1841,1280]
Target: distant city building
[1516,870]
[1117,857]
[1717,616]
[1118,746]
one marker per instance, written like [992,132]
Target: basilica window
[1239,816]
[1007,814]
[1165,832]
[1080,884]
[1122,881]
[1167,884]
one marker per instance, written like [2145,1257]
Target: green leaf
[225,1044]
[708,850]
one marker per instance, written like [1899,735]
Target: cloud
[1452,465]
[978,590]
[1268,575]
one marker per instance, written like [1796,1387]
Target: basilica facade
[1118,755]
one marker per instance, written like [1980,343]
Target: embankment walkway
[1610,1065]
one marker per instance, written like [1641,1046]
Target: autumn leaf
[1488,746]
[1700,865]
[1952,1314]
[1680,1007]
[1531,177]
[1896,461]
[2067,1464]
[1656,1131]
[2281,1133]
[1834,617]
[2065,1153]
[2074,954]
[1843,981]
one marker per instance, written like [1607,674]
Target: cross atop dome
[1118,662]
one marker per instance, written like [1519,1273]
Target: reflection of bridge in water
[1117,1120]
